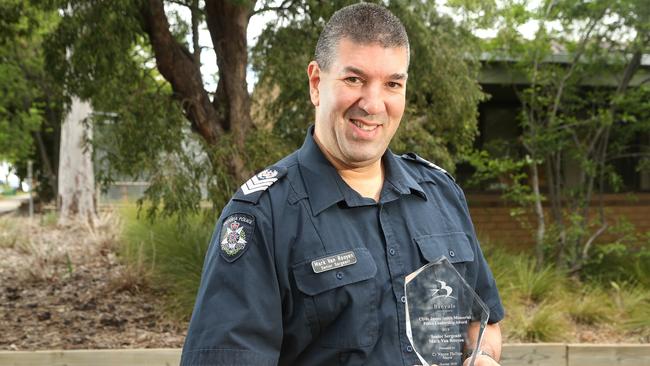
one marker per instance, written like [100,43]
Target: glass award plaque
[440,306]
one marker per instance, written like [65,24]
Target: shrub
[639,319]
[170,253]
[625,260]
[533,285]
[593,306]
[10,233]
[544,322]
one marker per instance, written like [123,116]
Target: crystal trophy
[440,308]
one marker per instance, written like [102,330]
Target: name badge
[333,262]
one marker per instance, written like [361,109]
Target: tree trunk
[177,66]
[227,22]
[76,183]
[229,111]
[48,172]
[539,212]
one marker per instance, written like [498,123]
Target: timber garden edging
[534,354]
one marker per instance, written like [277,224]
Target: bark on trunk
[177,65]
[227,22]
[76,181]
[539,212]
[229,111]
[48,172]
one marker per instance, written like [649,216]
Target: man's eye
[394,85]
[352,80]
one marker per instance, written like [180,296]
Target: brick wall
[494,223]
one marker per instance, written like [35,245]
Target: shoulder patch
[252,189]
[417,158]
[236,235]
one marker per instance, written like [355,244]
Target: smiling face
[359,101]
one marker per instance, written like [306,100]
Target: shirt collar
[398,177]
[325,186]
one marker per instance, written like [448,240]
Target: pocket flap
[455,246]
[311,283]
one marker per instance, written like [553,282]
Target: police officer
[307,262]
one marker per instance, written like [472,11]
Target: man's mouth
[362,126]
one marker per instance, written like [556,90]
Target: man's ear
[313,72]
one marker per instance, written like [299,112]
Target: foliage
[505,171]
[172,254]
[442,92]
[145,130]
[593,306]
[583,109]
[28,97]
[10,232]
[626,260]
[544,322]
[545,306]
[532,284]
[639,319]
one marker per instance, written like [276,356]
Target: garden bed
[64,288]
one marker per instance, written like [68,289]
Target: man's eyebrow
[355,70]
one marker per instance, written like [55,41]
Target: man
[307,262]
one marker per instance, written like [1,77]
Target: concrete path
[10,204]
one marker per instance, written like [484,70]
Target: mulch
[63,287]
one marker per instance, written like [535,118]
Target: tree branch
[176,64]
[592,239]
[576,58]
[286,5]
[196,48]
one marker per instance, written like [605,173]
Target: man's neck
[366,180]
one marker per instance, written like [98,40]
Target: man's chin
[362,160]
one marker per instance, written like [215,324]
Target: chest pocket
[341,304]
[455,246]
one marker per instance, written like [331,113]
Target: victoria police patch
[236,235]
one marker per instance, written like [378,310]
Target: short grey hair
[362,23]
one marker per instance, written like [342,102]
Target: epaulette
[252,189]
[415,157]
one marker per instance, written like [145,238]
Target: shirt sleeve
[486,286]
[237,315]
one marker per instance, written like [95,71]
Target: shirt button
[409,349]
[452,253]
[403,299]
[391,251]
[339,275]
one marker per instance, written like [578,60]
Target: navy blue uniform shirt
[267,295]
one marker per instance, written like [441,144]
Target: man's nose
[372,100]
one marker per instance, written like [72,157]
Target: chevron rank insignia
[253,188]
[417,158]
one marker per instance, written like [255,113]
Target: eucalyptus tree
[29,99]
[139,61]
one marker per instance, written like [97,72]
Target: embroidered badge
[260,182]
[236,234]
